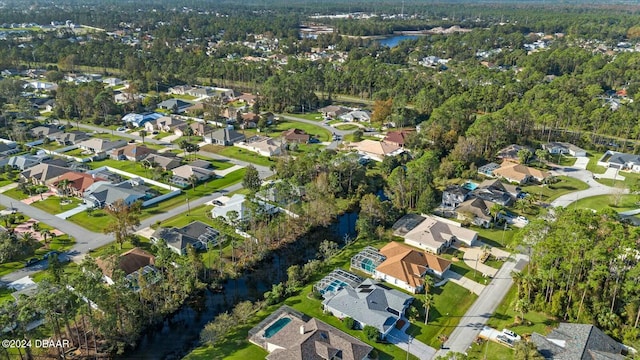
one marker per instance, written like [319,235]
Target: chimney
[301,329]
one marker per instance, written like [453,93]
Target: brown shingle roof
[128,262]
[78,181]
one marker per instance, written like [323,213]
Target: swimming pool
[276,326]
[470,186]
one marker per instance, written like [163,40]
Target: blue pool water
[277,326]
[470,186]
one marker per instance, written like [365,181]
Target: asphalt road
[595,188]
[483,308]
[317,123]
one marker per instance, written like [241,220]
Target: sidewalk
[8,187]
[465,282]
[222,173]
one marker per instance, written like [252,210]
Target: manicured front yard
[240,154]
[347,127]
[627,202]
[320,133]
[95,222]
[16,193]
[52,204]
[313,116]
[136,168]
[548,193]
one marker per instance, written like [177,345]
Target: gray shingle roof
[577,341]
[370,304]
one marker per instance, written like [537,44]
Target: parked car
[31,261]
[121,129]
[522,219]
[511,334]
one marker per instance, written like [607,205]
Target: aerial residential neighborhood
[382,180]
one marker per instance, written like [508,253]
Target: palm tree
[46,234]
[184,145]
[427,302]
[188,131]
[142,134]
[63,185]
[496,210]
[193,180]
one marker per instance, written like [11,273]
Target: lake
[393,41]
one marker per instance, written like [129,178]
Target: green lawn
[132,167]
[627,202]
[16,194]
[77,153]
[566,160]
[5,295]
[4,181]
[347,127]
[320,133]
[504,317]
[497,237]
[163,135]
[52,204]
[60,243]
[630,179]
[313,116]
[548,193]
[94,222]
[240,154]
[184,97]
[593,163]
[109,136]
[489,350]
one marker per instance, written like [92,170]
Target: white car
[511,334]
[522,219]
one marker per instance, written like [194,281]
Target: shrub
[349,323]
[371,333]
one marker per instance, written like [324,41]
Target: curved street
[586,176]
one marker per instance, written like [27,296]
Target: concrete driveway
[581,163]
[465,282]
[410,344]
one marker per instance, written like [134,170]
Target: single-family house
[69,138]
[295,136]
[579,342]
[247,98]
[41,173]
[183,175]
[564,148]
[197,234]
[138,120]
[44,131]
[104,193]
[495,191]
[112,81]
[41,85]
[45,104]
[264,146]
[510,153]
[432,233]
[333,111]
[454,195]
[369,304]
[164,161]
[238,204]
[488,169]
[23,162]
[76,183]
[8,150]
[165,123]
[376,150]
[174,105]
[200,128]
[99,146]
[133,264]
[520,174]
[406,267]
[224,137]
[476,211]
[620,161]
[356,115]
[131,152]
[121,97]
[290,335]
[250,120]
[398,138]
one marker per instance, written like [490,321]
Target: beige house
[518,173]
[263,146]
[433,234]
[376,150]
